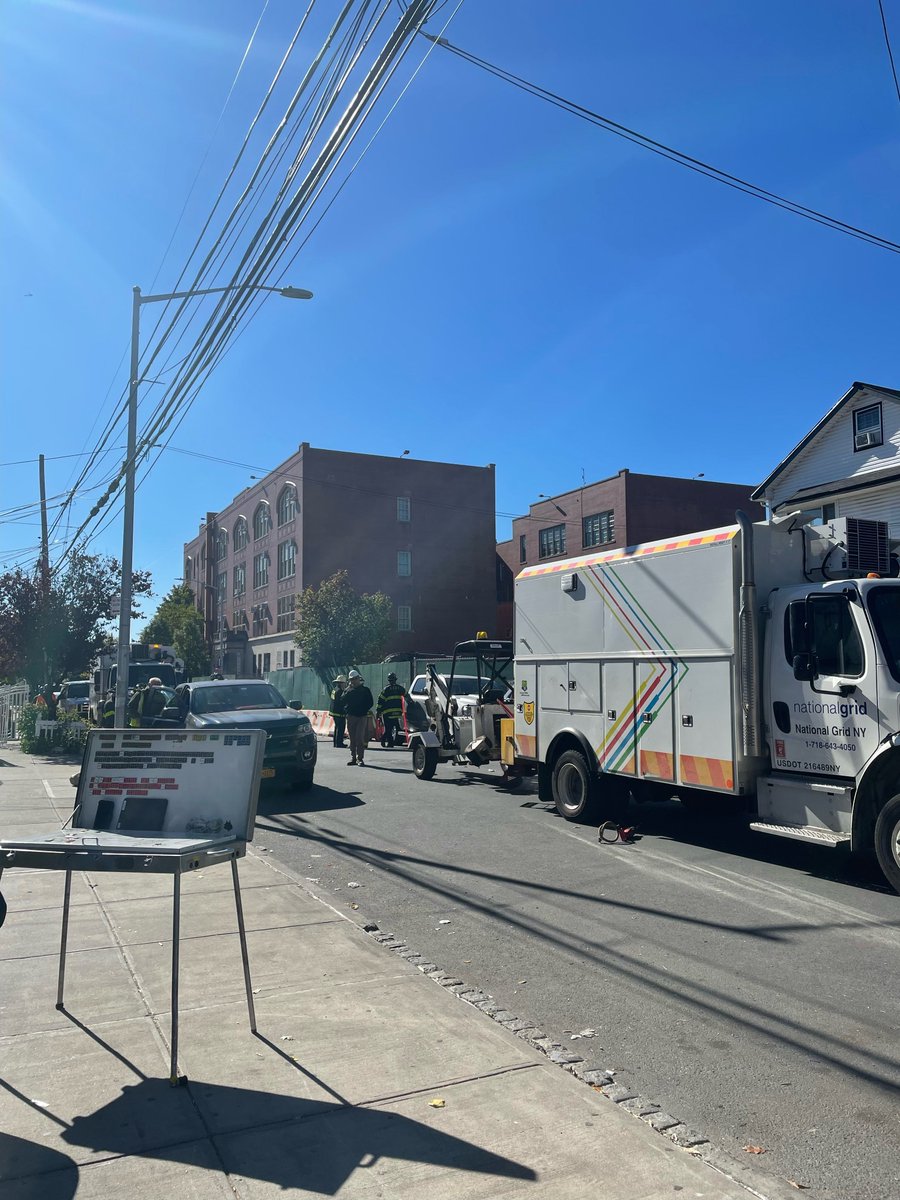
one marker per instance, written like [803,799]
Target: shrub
[67,735]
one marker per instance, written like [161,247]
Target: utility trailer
[758,664]
[468,731]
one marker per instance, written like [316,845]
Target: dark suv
[290,755]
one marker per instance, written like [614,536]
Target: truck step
[802,833]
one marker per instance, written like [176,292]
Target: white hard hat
[355,675]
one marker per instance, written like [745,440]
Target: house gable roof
[759,493]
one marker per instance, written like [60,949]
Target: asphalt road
[747,984]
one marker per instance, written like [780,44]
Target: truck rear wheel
[574,790]
[887,841]
[425,761]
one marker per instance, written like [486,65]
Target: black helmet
[392,678]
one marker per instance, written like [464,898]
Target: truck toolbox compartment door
[704,725]
[654,718]
[617,750]
[584,687]
[525,709]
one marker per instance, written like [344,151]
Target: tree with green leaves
[178,623]
[337,627]
[46,637]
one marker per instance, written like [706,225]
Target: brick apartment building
[422,532]
[623,510]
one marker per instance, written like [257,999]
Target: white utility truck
[145,662]
[755,662]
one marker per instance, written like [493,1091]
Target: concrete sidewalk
[335,1096]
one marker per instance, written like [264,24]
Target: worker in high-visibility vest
[390,709]
[146,704]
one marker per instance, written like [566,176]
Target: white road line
[48,789]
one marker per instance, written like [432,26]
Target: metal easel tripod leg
[174,1079]
[243,936]
[64,937]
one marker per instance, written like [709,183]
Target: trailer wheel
[887,841]
[425,761]
[574,791]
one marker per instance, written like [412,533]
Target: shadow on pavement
[317,799]
[311,1144]
[39,1171]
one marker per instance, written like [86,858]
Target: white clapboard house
[847,466]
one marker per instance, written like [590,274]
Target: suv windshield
[78,690]
[232,697]
[884,607]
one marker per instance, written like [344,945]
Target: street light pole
[124,649]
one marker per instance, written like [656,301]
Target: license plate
[268,773]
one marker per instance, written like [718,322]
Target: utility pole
[45,544]
[45,557]
[124,654]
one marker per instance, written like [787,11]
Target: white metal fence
[13,696]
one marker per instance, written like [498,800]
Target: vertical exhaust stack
[748,633]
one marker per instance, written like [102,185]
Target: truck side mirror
[296,705]
[804,670]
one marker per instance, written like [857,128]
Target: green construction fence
[313,689]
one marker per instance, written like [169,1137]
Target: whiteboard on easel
[171,782]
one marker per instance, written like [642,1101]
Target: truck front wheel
[425,761]
[574,790]
[887,841]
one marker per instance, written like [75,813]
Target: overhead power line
[669,152]
[887,42]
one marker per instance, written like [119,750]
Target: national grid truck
[757,663]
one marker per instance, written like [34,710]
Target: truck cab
[832,714]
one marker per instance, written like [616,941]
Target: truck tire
[425,761]
[575,792]
[887,841]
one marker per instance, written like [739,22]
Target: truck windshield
[140,674]
[884,607]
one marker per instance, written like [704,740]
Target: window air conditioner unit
[869,438]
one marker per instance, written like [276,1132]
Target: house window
[221,544]
[287,504]
[403,508]
[262,521]
[523,553]
[188,569]
[867,427]
[261,619]
[238,619]
[404,562]
[239,580]
[287,559]
[552,541]
[261,570]
[240,538]
[267,663]
[285,617]
[221,586]
[404,618]
[598,529]
[202,560]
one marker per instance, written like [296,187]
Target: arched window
[221,544]
[188,569]
[262,521]
[287,504]
[240,533]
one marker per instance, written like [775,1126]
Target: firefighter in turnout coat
[390,709]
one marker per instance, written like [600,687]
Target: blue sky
[497,282]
